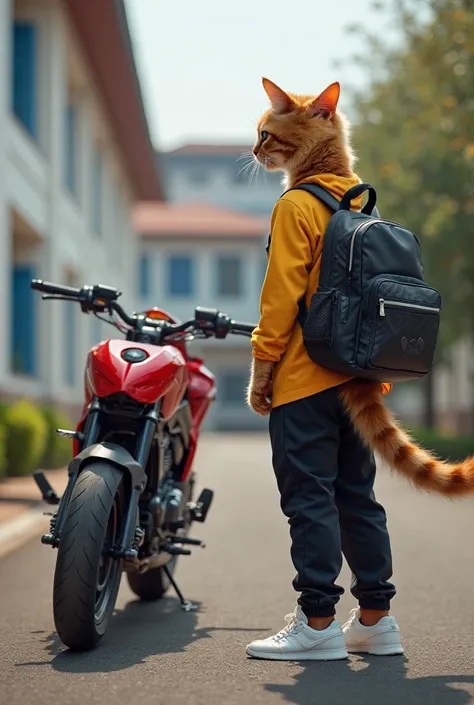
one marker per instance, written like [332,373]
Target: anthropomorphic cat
[325,427]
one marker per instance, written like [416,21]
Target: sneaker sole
[378,650]
[329,655]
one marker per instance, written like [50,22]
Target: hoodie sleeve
[290,259]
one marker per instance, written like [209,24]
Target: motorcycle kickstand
[185,604]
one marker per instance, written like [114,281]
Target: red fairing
[162,375]
[201,391]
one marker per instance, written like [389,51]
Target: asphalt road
[242,582]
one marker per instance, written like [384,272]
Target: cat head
[303,135]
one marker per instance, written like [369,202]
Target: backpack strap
[319,192]
[331,202]
[328,199]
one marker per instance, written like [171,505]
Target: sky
[200,62]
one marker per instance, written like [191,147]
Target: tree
[414,133]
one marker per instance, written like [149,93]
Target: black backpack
[373,315]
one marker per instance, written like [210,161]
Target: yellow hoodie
[298,223]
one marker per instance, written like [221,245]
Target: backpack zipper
[403,304]
[366,224]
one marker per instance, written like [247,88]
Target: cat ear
[281,102]
[325,105]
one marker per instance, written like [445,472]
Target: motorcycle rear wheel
[151,585]
[154,584]
[86,581]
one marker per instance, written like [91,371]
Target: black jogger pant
[325,477]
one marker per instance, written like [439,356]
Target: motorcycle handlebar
[97,298]
[55,289]
[122,313]
[220,331]
[240,327]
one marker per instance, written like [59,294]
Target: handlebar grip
[240,327]
[49,288]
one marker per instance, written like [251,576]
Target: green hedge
[451,448]
[25,437]
[58,450]
[28,438]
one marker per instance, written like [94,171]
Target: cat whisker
[244,169]
[255,171]
[245,155]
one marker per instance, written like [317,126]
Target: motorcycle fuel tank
[145,373]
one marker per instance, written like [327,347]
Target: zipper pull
[381,307]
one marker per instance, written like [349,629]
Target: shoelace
[293,627]
[351,619]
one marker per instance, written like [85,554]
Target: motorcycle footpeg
[176,551]
[186,540]
[47,492]
[200,510]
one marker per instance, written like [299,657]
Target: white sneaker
[298,642]
[383,639]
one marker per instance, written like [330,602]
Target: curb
[15,532]
[28,520]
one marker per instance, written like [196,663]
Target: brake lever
[58,297]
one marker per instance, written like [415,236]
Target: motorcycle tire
[86,582]
[151,585]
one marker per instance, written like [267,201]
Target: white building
[196,254]
[75,153]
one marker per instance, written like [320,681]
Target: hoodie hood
[336,185]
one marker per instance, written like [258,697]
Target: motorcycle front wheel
[87,580]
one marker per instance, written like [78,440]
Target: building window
[199,177]
[97,190]
[70,344]
[23,322]
[232,387]
[24,78]
[70,148]
[180,276]
[229,275]
[144,283]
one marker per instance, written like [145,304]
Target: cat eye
[264,135]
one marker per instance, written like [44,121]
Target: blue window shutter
[180,276]
[144,275]
[69,343]
[70,151]
[24,88]
[23,321]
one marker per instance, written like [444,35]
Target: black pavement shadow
[140,630]
[372,681]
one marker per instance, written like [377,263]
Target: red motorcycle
[128,505]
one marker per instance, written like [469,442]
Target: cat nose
[255,150]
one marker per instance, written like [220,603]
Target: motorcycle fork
[89,437]
[131,532]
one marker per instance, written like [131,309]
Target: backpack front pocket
[404,327]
